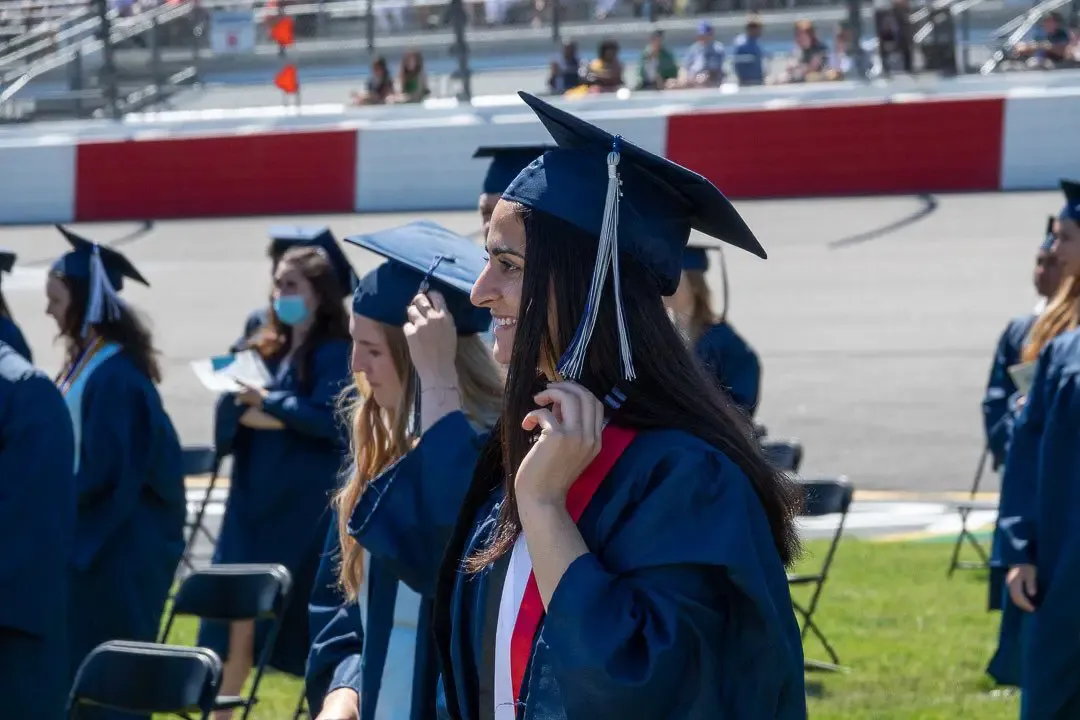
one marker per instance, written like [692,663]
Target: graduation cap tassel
[103,301]
[425,285]
[572,363]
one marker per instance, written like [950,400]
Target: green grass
[915,643]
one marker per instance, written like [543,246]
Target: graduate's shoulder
[1018,328]
[24,388]
[1064,353]
[722,335]
[658,455]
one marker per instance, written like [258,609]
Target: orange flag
[287,81]
[283,32]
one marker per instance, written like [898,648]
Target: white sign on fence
[232,32]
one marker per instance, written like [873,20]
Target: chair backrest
[198,460]
[784,455]
[234,592]
[825,496]
[147,678]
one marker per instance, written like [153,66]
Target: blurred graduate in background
[129,478]
[37,531]
[10,334]
[1039,516]
[729,358]
[1000,408]
[282,238]
[288,449]
[409,349]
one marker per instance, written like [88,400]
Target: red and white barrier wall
[1005,142]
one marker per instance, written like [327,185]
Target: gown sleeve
[12,335]
[37,500]
[337,630]
[1000,399]
[407,514]
[1020,481]
[315,414]
[685,611]
[116,446]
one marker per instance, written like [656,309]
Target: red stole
[614,442]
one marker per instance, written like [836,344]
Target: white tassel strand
[102,301]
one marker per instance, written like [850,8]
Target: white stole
[82,371]
[513,591]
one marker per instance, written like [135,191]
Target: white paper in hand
[1022,375]
[221,373]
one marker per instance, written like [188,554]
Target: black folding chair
[147,678]
[200,460]
[825,496]
[966,536]
[784,455]
[231,593]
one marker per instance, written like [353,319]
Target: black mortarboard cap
[633,202]
[77,263]
[284,237]
[660,203]
[7,261]
[421,253]
[696,254]
[506,162]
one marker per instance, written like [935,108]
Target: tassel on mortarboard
[103,301]
[425,285]
[572,363]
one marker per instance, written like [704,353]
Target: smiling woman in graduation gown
[1039,516]
[10,334]
[287,453]
[377,662]
[634,573]
[128,461]
[725,354]
[37,529]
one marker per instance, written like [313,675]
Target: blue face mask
[290,309]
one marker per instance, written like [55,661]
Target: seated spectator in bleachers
[412,80]
[605,73]
[749,60]
[810,58]
[1050,47]
[566,70]
[841,61]
[380,86]
[704,62]
[657,65]
[896,37]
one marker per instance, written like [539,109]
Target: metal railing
[1012,32]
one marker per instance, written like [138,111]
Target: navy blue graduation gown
[10,334]
[733,363]
[341,654]
[999,414]
[131,510]
[277,509]
[681,610]
[255,320]
[1040,518]
[37,531]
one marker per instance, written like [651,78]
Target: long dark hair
[128,331]
[671,391]
[331,321]
[4,311]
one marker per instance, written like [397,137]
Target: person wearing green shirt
[657,65]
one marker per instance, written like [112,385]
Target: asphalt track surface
[875,318]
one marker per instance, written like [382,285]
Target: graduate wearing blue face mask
[9,331]
[287,449]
